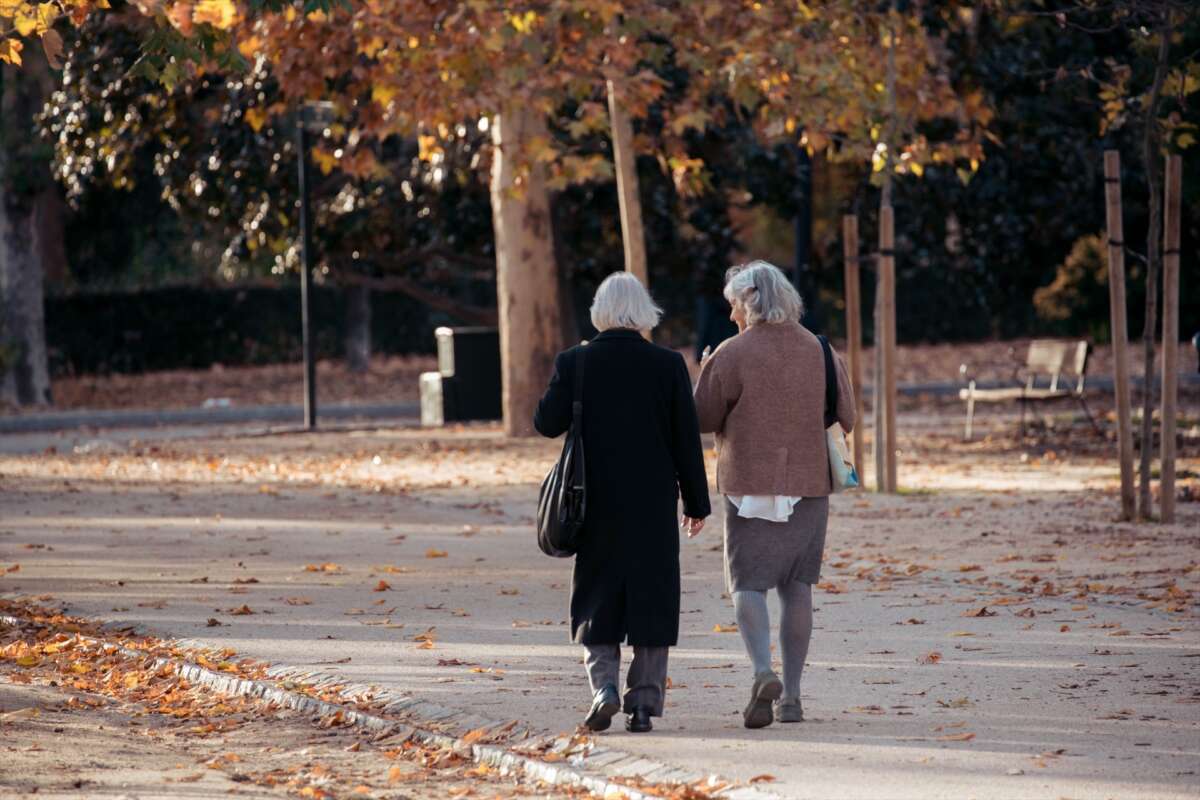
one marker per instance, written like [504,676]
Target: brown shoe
[766,690]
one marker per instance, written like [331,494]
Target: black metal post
[802,275]
[310,367]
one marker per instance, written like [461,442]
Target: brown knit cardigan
[763,393]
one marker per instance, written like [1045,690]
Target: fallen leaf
[930,658]
[213,623]
[957,737]
[382,586]
[719,628]
[432,553]
[762,779]
[474,736]
[982,611]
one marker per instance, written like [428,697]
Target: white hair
[622,302]
[764,292]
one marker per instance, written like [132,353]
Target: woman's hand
[706,355]
[691,525]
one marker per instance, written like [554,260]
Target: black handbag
[562,501]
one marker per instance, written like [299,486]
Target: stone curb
[593,771]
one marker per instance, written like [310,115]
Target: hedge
[196,327]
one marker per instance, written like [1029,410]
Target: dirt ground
[992,631]
[393,379]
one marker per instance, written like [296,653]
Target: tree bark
[1150,159]
[24,369]
[526,276]
[358,328]
[50,233]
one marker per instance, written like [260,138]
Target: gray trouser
[646,681]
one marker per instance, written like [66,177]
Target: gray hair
[622,302]
[765,292]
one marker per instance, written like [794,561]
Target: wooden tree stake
[1120,332]
[1170,333]
[854,331]
[627,188]
[887,282]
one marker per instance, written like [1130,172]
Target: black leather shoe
[605,705]
[639,720]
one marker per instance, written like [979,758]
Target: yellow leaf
[256,118]
[413,43]
[427,147]
[9,8]
[28,660]
[372,46]
[220,14]
[46,14]
[383,94]
[431,553]
[250,47]
[719,628]
[25,23]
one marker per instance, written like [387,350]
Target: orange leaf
[930,658]
[432,553]
[474,736]
[762,779]
[382,586]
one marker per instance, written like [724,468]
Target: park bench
[1046,357]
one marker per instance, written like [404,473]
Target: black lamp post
[313,118]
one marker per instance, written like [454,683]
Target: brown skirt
[761,555]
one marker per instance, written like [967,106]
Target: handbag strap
[577,405]
[831,390]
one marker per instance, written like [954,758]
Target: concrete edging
[593,771]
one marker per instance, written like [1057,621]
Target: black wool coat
[642,451]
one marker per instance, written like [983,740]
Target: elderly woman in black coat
[642,451]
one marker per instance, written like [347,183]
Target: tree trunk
[50,234]
[526,277]
[568,318]
[1150,159]
[24,371]
[358,328]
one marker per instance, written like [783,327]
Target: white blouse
[758,506]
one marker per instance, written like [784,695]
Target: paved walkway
[1066,684]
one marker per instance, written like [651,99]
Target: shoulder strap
[831,387]
[577,405]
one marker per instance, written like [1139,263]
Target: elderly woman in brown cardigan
[763,393]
